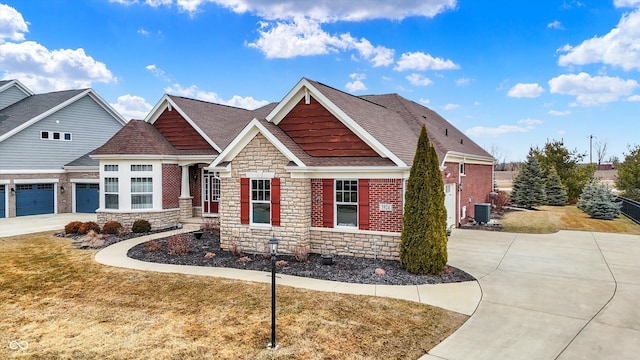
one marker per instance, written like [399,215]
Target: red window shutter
[244,200]
[275,201]
[327,203]
[363,204]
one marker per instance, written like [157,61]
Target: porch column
[184,187]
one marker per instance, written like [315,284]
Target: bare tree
[601,150]
[499,154]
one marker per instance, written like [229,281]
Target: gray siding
[90,126]
[11,96]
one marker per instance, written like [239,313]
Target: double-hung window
[111,192]
[141,193]
[346,203]
[261,201]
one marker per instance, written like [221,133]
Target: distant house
[44,140]
[321,169]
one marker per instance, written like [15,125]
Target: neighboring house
[321,169]
[44,142]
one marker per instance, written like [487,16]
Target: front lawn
[550,219]
[64,305]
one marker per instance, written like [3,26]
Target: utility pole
[590,149]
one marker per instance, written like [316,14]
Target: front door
[211,191]
[450,203]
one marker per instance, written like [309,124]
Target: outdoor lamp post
[273,246]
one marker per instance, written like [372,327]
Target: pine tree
[599,202]
[423,242]
[555,192]
[528,186]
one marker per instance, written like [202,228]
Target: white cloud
[463,81]
[626,3]
[419,80]
[12,24]
[194,92]
[421,61]
[425,101]
[478,131]
[305,37]
[143,32]
[555,25]
[633,98]
[525,90]
[42,69]
[530,122]
[559,113]
[132,107]
[620,47]
[354,86]
[451,106]
[157,72]
[327,10]
[592,90]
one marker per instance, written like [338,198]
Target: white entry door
[450,203]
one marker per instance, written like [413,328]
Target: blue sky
[510,74]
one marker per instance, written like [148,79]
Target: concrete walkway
[569,295]
[459,297]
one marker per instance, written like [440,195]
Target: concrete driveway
[569,295]
[38,223]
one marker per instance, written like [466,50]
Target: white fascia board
[454,156]
[305,88]
[246,135]
[19,172]
[349,172]
[105,105]
[43,115]
[19,85]
[165,103]
[36,181]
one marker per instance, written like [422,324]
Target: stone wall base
[186,207]
[367,245]
[158,219]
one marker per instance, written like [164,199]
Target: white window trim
[143,193]
[105,192]
[61,135]
[124,175]
[254,225]
[335,205]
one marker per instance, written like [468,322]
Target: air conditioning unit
[482,213]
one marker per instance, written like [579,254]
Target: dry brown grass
[67,306]
[550,219]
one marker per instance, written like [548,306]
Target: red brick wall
[381,191]
[477,183]
[171,180]
[195,185]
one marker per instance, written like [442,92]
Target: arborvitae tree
[528,186]
[555,192]
[423,242]
[599,202]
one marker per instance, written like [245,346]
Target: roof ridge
[344,92]
[208,102]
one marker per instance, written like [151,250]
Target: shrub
[598,201]
[211,225]
[179,244]
[72,227]
[141,226]
[112,227]
[152,246]
[498,199]
[89,226]
[301,254]
[235,249]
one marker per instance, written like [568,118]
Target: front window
[141,193]
[347,203]
[261,201]
[111,193]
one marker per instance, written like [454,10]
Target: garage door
[34,199]
[3,201]
[87,198]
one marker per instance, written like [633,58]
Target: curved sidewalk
[459,297]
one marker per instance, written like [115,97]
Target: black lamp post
[273,246]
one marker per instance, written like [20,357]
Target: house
[44,142]
[321,169]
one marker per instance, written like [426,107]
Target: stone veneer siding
[158,219]
[295,202]
[367,244]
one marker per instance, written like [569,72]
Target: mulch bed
[206,252]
